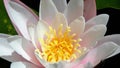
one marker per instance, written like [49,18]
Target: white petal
[77,26]
[74,10]
[114,38]
[100,53]
[117,51]
[31,30]
[47,10]
[92,35]
[16,45]
[14,57]
[100,19]
[23,65]
[4,35]
[24,48]
[5,49]
[41,28]
[6,52]
[58,20]
[20,16]
[60,5]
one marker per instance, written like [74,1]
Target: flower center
[59,45]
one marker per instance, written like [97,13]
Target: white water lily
[59,39]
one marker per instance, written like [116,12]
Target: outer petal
[89,9]
[23,65]
[92,35]
[4,35]
[6,52]
[113,38]
[74,10]
[47,10]
[20,16]
[13,58]
[60,4]
[5,49]
[77,26]
[99,53]
[24,48]
[100,19]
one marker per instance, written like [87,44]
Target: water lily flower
[59,38]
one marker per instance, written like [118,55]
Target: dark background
[113,27]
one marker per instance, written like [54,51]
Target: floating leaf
[5,23]
[108,4]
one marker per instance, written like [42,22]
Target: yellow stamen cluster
[59,45]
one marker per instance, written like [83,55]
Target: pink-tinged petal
[77,26]
[99,53]
[20,16]
[60,5]
[23,48]
[92,35]
[74,10]
[89,9]
[23,65]
[14,57]
[6,52]
[100,19]
[47,10]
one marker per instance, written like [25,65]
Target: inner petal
[59,46]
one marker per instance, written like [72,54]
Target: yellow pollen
[59,45]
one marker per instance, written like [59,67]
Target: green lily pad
[5,23]
[108,4]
